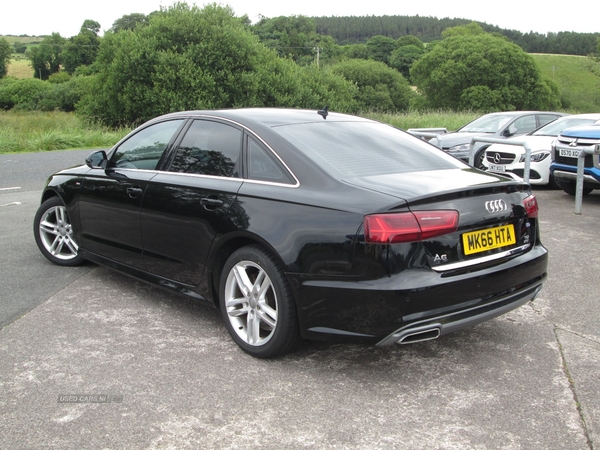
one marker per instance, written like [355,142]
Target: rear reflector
[395,228]
[531,206]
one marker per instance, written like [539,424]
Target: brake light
[531,206]
[395,228]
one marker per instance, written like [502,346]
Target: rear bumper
[444,324]
[387,310]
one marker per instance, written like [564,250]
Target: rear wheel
[570,187]
[54,234]
[257,305]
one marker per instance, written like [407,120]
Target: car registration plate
[569,153]
[489,239]
[496,168]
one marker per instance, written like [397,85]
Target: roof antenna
[323,112]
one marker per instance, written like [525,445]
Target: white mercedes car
[509,159]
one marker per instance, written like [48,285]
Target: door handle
[211,203]
[134,191]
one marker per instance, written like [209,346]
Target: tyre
[570,187]
[54,234]
[478,161]
[257,305]
[552,183]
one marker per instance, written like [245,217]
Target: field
[22,131]
[577,77]
[436,119]
[20,68]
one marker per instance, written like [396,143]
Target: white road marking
[11,204]
[10,188]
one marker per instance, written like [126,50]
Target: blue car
[565,152]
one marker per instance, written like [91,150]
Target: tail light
[415,226]
[531,206]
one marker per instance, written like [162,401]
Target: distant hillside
[23,39]
[352,30]
[577,77]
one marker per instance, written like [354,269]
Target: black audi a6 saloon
[301,225]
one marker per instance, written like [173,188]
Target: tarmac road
[526,380]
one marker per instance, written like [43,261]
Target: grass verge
[30,131]
[434,119]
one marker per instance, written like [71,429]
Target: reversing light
[531,206]
[415,226]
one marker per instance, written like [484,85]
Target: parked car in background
[565,153]
[510,159]
[499,125]
[301,224]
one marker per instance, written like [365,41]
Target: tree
[355,51]
[464,71]
[380,88]
[404,57]
[410,40]
[129,22]
[91,26]
[46,59]
[191,58]
[471,29]
[81,50]
[379,48]
[5,55]
[19,47]
[293,37]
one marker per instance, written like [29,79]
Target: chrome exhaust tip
[420,334]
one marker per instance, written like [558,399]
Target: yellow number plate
[483,240]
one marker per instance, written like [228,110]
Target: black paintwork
[176,230]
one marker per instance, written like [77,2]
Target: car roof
[592,116]
[522,113]
[268,117]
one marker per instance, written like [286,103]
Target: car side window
[523,125]
[209,148]
[144,149]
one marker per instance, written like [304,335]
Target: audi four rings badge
[495,206]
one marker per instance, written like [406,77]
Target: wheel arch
[49,193]
[225,248]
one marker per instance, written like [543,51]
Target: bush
[481,71]
[61,97]
[25,94]
[380,88]
[59,77]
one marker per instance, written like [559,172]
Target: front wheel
[54,234]
[257,305]
[478,160]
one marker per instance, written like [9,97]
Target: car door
[183,207]
[111,197]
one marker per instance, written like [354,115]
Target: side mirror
[97,160]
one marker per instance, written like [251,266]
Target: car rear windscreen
[357,149]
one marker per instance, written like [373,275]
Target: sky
[42,17]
